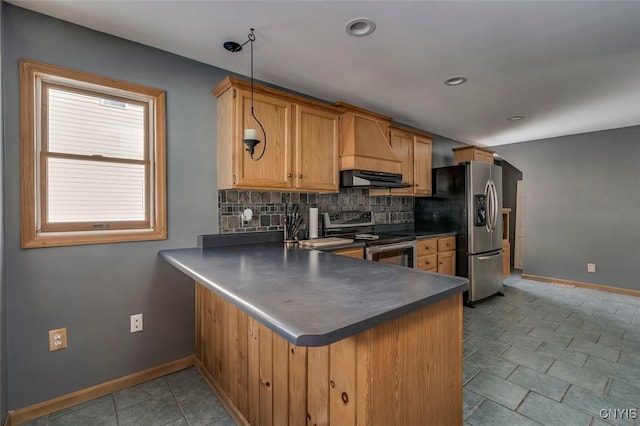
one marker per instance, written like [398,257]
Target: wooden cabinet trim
[232,82]
[354,109]
[469,147]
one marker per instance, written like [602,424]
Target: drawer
[357,252]
[447,243]
[427,246]
[428,262]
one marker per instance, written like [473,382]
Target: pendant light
[250,135]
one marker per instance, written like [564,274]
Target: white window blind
[95,158]
[81,124]
[95,191]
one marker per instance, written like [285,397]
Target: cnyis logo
[617,413]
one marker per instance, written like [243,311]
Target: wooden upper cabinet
[316,149]
[422,155]
[402,144]
[472,153]
[302,140]
[414,150]
[273,169]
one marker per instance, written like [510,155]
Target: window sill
[61,239]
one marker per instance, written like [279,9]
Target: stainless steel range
[394,249]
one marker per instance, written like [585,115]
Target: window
[92,158]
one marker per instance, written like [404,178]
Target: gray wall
[582,204]
[510,178]
[442,151]
[3,281]
[92,290]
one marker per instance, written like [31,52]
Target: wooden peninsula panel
[393,374]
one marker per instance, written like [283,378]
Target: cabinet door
[506,259]
[316,146]
[402,145]
[273,170]
[427,246]
[357,252]
[447,243]
[488,157]
[428,263]
[447,263]
[422,165]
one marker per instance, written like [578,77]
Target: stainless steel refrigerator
[467,199]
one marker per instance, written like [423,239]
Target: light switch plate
[136,323]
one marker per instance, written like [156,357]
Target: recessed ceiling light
[360,27]
[516,117]
[455,81]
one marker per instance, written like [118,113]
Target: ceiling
[568,66]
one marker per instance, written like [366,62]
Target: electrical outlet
[591,267]
[57,339]
[136,323]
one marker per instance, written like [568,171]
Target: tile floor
[543,354]
[552,355]
[178,399]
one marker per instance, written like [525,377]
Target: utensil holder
[290,243]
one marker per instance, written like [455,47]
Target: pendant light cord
[252,38]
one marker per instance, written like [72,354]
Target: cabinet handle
[289,175]
[234,179]
[300,176]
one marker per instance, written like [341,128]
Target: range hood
[364,143]
[371,179]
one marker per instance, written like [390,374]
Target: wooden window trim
[78,233]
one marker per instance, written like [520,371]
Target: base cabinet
[506,259]
[356,252]
[406,369]
[437,255]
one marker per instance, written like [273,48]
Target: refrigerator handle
[489,257]
[488,195]
[496,213]
[493,204]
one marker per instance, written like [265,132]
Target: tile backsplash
[268,207]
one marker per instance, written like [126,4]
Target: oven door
[402,254]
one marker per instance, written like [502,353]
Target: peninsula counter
[296,336]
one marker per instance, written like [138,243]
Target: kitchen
[143,283]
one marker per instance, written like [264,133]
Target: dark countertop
[310,297]
[424,234]
[335,247]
